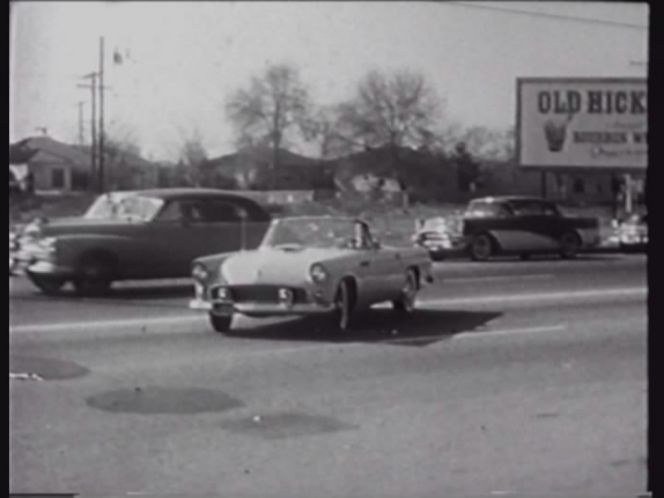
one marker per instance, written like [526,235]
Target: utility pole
[101,114]
[81,140]
[93,121]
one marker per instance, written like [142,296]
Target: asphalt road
[513,378]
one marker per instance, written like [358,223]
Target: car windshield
[316,232]
[480,209]
[123,206]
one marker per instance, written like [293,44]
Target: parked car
[435,235]
[13,250]
[519,225]
[633,233]
[138,235]
[309,265]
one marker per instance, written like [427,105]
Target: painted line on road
[126,322]
[524,330]
[497,278]
[180,319]
[541,296]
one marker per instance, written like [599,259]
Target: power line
[558,17]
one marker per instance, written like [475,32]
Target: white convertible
[309,265]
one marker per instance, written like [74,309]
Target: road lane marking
[184,319]
[541,296]
[524,330]
[125,322]
[497,278]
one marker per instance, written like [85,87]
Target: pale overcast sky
[184,58]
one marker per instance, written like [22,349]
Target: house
[252,168]
[55,166]
[60,167]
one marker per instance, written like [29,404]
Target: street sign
[590,123]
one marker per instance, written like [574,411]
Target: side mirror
[376,245]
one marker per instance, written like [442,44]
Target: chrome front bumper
[48,268]
[259,309]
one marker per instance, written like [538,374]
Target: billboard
[590,123]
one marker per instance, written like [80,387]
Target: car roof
[510,198]
[316,217]
[190,192]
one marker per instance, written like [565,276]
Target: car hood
[276,266]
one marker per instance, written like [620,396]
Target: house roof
[47,149]
[20,152]
[262,154]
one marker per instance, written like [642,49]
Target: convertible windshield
[123,206]
[317,232]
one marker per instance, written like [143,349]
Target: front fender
[211,263]
[70,248]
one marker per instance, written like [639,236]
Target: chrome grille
[260,293]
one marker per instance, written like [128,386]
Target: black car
[518,225]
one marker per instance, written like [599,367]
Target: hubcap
[342,307]
[482,247]
[408,293]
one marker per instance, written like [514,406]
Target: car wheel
[48,285]
[481,247]
[95,276]
[405,303]
[343,307]
[569,245]
[221,323]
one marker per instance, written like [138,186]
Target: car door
[383,268]
[532,227]
[189,228]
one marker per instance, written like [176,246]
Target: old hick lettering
[595,102]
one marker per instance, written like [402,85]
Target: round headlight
[318,273]
[199,272]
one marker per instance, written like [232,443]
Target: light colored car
[438,236]
[633,233]
[309,265]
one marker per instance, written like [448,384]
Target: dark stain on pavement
[547,415]
[46,368]
[160,400]
[285,425]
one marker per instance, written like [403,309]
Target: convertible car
[309,265]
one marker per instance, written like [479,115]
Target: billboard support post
[628,194]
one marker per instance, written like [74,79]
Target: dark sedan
[517,225]
[138,235]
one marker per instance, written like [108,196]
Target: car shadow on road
[423,327]
[143,292]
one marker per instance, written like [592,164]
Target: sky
[181,60]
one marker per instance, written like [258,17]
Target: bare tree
[121,156]
[482,141]
[193,156]
[396,109]
[322,127]
[275,106]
